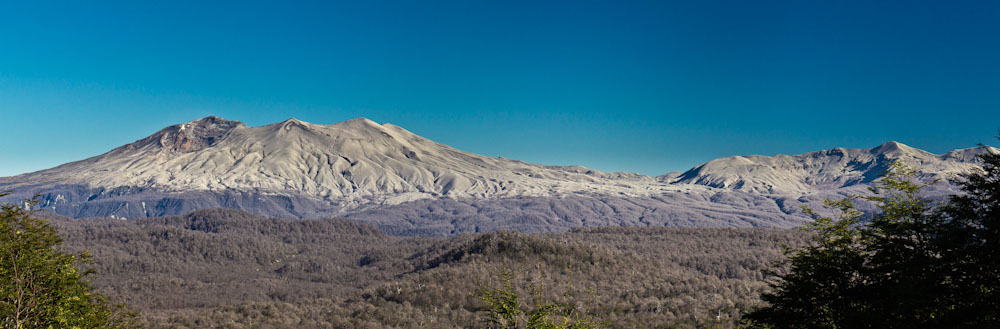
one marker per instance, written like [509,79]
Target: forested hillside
[225,268]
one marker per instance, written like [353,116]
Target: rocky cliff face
[188,137]
[407,184]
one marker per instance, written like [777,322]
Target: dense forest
[230,269]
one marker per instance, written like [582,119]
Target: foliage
[505,309]
[504,304]
[227,268]
[910,266]
[41,286]
[971,242]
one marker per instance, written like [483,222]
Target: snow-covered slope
[407,184]
[828,170]
[349,164]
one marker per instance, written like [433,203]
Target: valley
[227,268]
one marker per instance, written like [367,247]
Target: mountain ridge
[837,168]
[351,158]
[383,173]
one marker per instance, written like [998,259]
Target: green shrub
[41,286]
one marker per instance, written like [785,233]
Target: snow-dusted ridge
[384,174]
[827,170]
[349,162]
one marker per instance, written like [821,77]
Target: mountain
[354,161]
[406,184]
[816,172]
[296,169]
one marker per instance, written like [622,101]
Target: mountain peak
[894,148]
[211,119]
[290,123]
[360,122]
[190,136]
[891,145]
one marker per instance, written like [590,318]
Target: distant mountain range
[406,184]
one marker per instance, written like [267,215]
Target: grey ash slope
[406,184]
[351,160]
[295,169]
[734,191]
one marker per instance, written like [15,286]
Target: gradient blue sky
[649,87]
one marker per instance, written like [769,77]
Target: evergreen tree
[910,266]
[823,286]
[971,241]
[41,286]
[505,309]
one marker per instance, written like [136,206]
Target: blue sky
[649,87]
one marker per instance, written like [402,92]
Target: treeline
[230,269]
